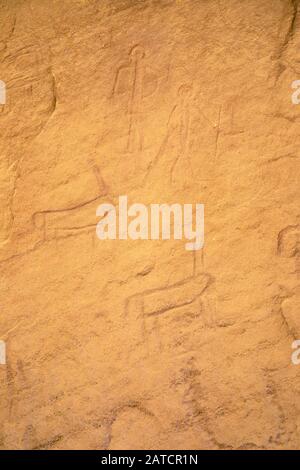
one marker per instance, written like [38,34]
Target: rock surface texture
[141,344]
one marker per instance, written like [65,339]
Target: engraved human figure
[173,156]
[181,118]
[135,136]
[142,84]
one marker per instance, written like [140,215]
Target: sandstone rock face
[141,344]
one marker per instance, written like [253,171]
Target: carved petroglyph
[227,125]
[196,340]
[288,244]
[2,94]
[134,417]
[31,89]
[173,155]
[145,311]
[180,118]
[230,119]
[8,177]
[16,383]
[139,82]
[55,224]
[30,101]
[218,131]
[176,155]
[74,220]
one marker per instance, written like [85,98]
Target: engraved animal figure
[70,221]
[145,310]
[136,79]
[8,176]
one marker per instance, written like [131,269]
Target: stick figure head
[185,90]
[137,53]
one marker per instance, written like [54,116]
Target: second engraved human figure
[135,73]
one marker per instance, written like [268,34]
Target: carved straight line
[49,443]
[218,133]
[173,307]
[58,211]
[66,229]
